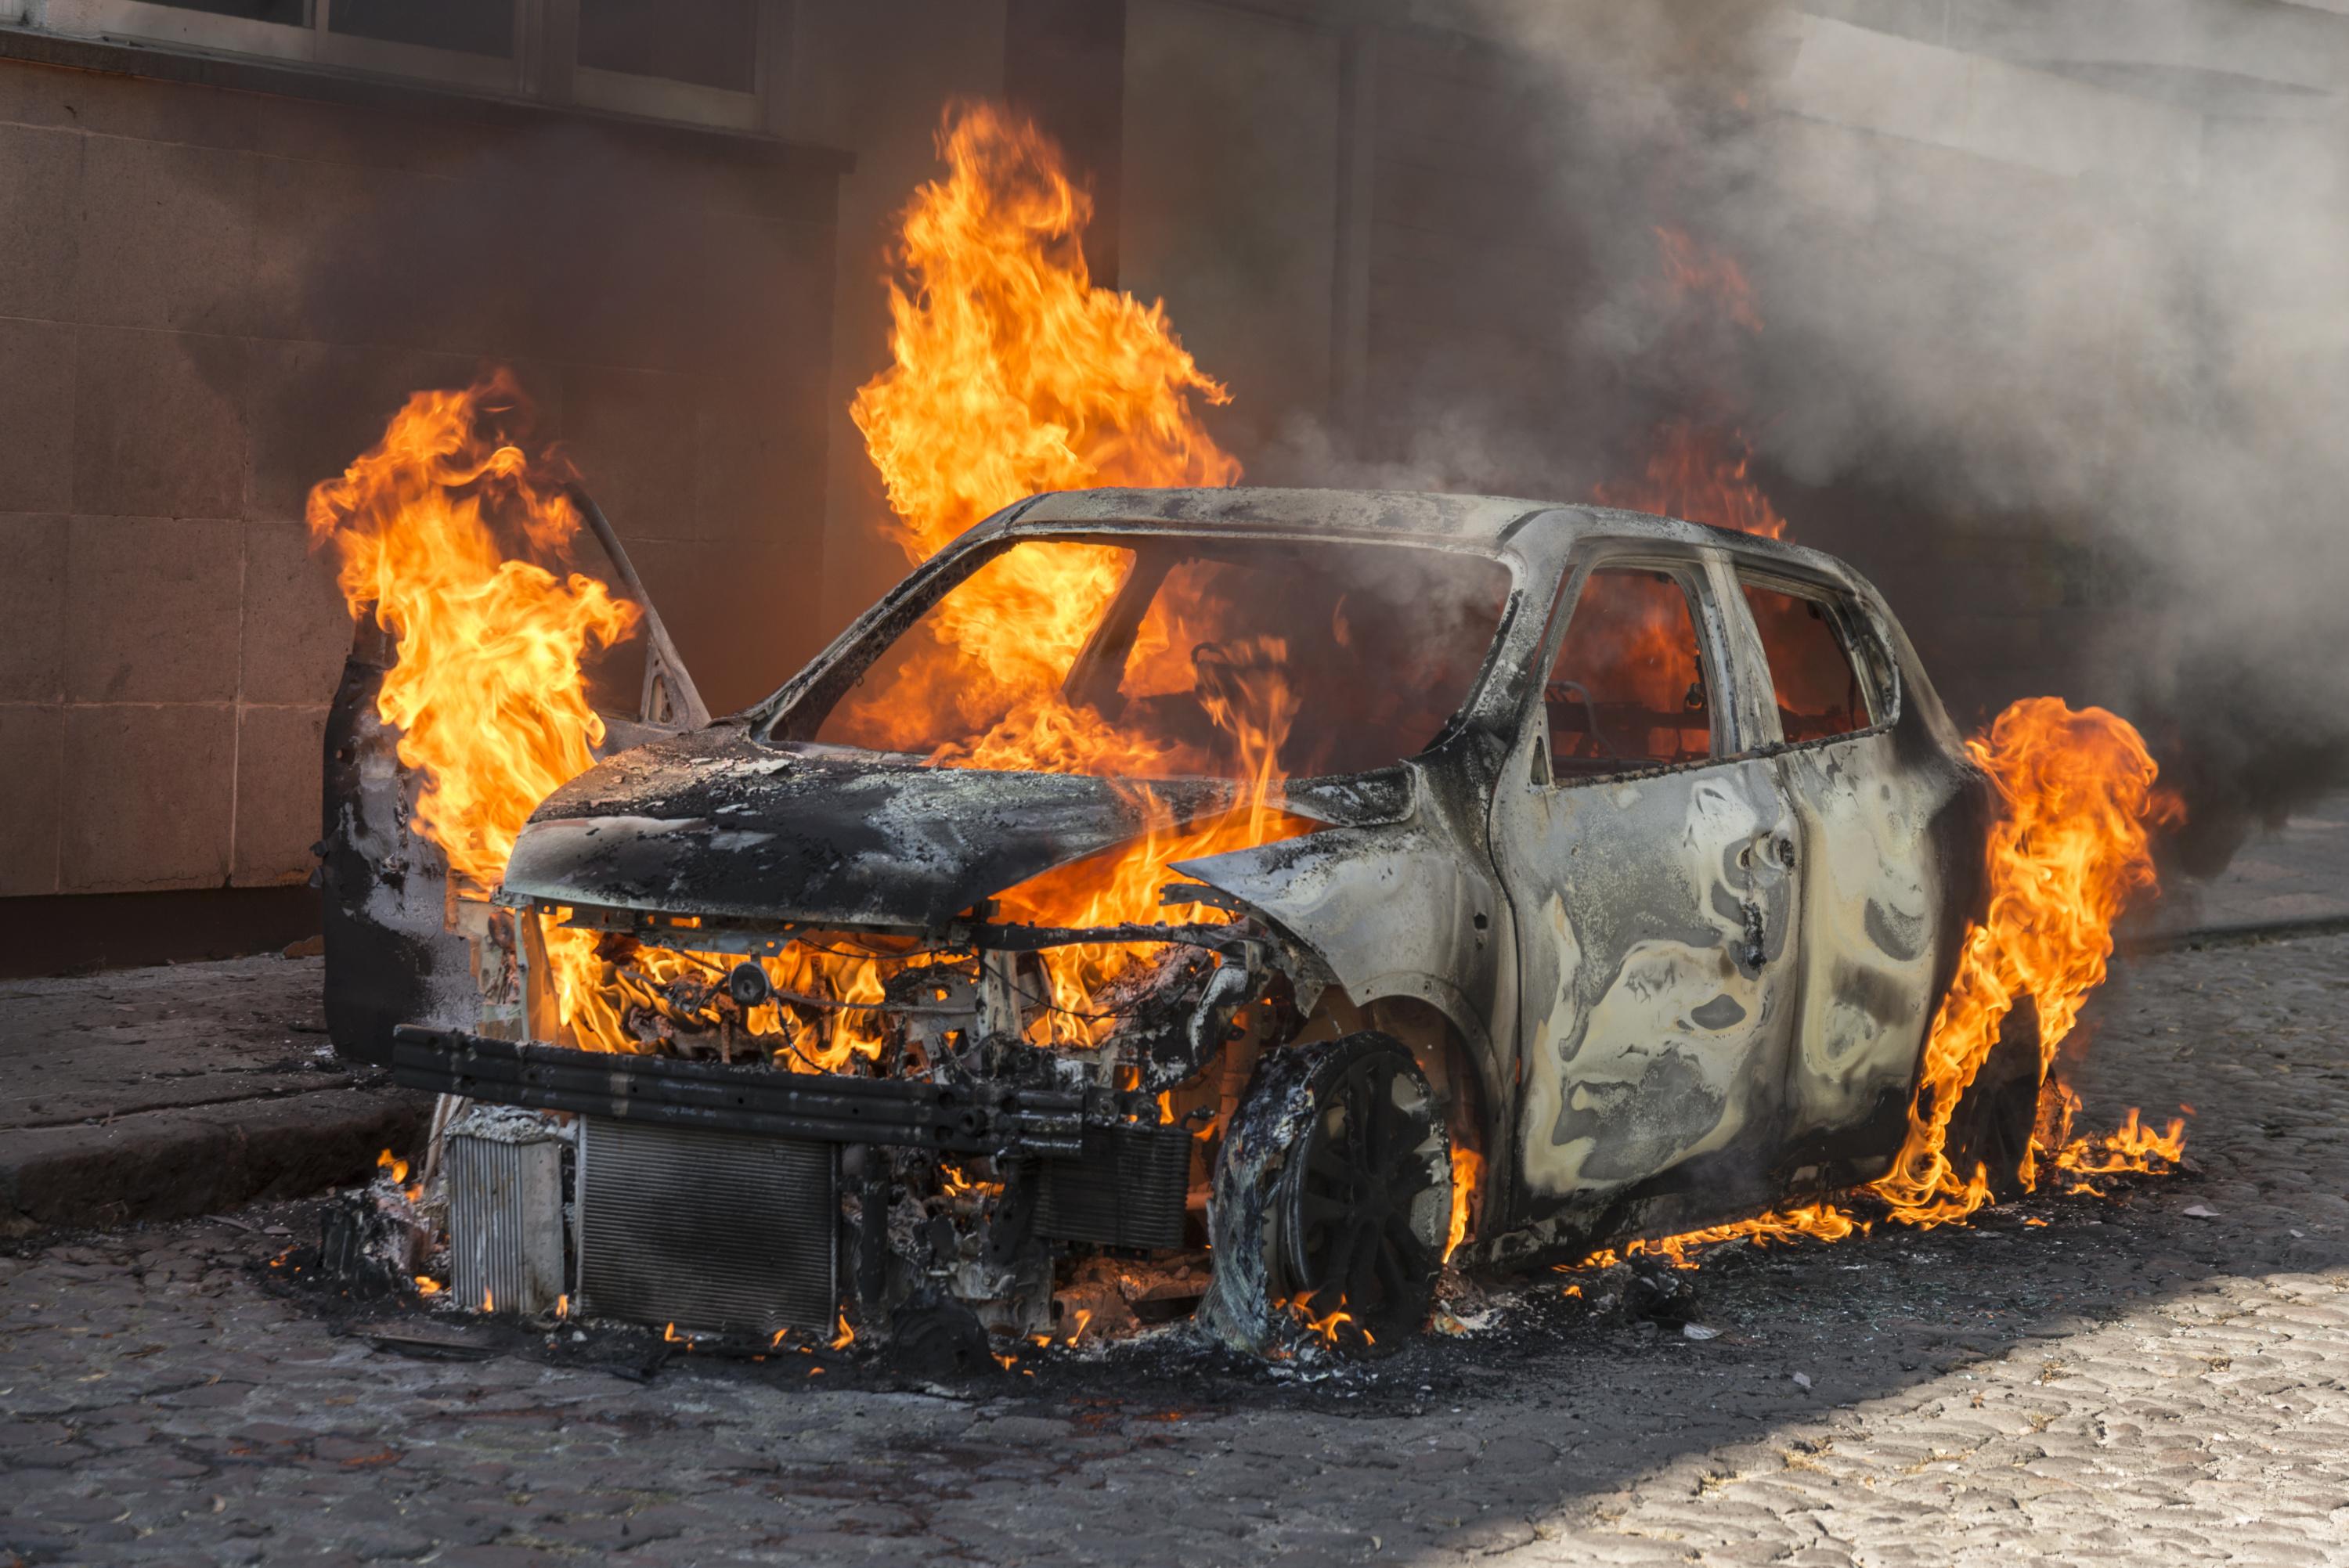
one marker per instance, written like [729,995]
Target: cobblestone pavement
[2158,1375]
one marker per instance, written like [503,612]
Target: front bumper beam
[833,1107]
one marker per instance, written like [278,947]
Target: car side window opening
[1819,690]
[1627,690]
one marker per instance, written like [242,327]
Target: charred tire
[1332,1194]
[1993,1125]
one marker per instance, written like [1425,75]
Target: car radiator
[1126,1192]
[708,1230]
[505,1212]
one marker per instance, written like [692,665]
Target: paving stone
[71,1509]
[494,1556]
[47,1456]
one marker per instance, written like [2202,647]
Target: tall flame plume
[436,527]
[1011,373]
[2078,797]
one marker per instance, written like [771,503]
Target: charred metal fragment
[505,1187]
[933,1334]
[865,1167]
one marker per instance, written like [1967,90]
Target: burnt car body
[1657,963]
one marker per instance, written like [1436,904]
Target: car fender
[1392,910]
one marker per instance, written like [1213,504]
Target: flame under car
[1385,876]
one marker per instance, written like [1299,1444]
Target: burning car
[1236,901]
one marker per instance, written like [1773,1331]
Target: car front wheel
[1332,1201]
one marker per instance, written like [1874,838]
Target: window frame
[542,66]
[1871,660]
[665,97]
[1685,567]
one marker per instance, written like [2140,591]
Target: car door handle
[1781,851]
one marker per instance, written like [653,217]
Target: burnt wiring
[1031,999]
[906,957]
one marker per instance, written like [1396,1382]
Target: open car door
[398,937]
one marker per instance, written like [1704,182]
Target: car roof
[1490,521]
[1406,512]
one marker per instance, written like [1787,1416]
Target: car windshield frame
[793,713]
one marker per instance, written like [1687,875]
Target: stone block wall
[213,298]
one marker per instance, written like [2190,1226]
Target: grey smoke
[2129,327]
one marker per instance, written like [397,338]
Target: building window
[285,13]
[710,44]
[695,61]
[468,26]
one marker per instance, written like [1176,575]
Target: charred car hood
[715,823]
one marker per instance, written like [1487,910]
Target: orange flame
[1701,469]
[1325,1326]
[1466,1166]
[1816,1221]
[618,995]
[435,526]
[2070,848]
[487,693]
[1013,373]
[1693,268]
[388,1160]
[2130,1149]
[953,1183]
[1703,474]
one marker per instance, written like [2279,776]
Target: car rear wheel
[1992,1126]
[1332,1201]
